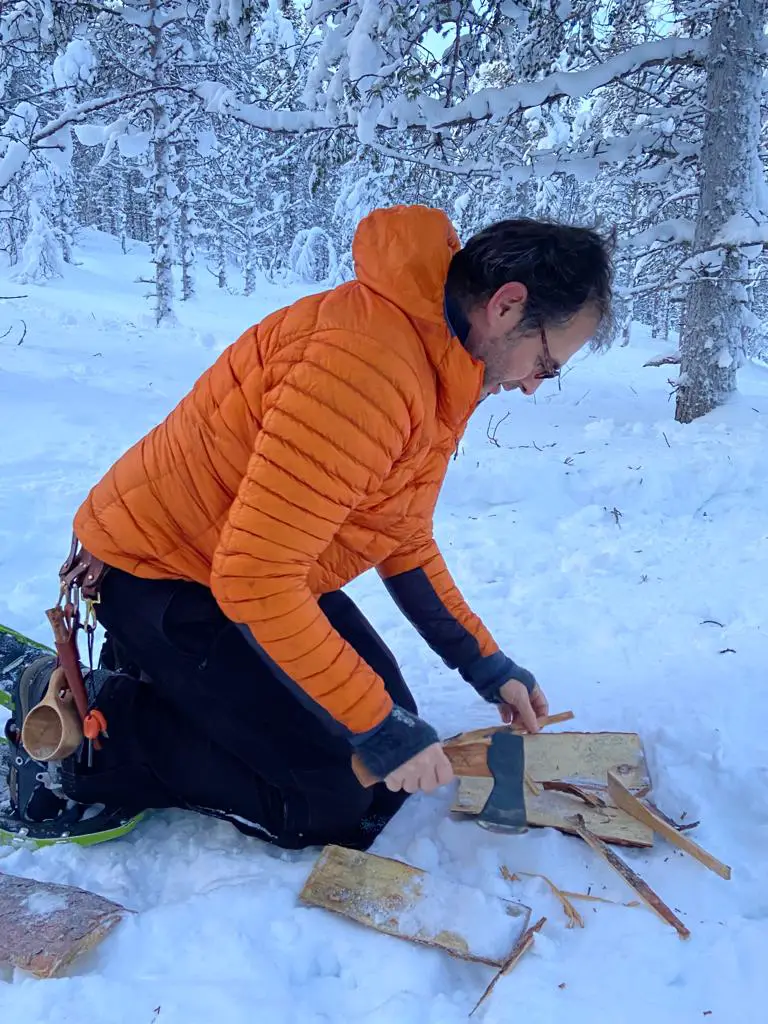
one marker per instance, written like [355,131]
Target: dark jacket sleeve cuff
[399,737]
[489,674]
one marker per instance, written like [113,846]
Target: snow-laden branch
[76,114]
[743,229]
[494,104]
[487,104]
[678,231]
[219,99]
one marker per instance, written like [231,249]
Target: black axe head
[505,809]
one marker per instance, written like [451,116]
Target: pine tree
[731,214]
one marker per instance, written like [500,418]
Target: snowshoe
[16,652]
[33,809]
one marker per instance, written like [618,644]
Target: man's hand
[520,708]
[426,771]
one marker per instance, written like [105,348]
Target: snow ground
[613,552]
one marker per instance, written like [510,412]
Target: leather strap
[79,576]
[83,570]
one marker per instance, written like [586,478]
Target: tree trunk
[162,204]
[124,201]
[249,265]
[163,217]
[65,222]
[187,234]
[221,257]
[711,339]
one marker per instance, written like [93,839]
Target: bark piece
[558,786]
[643,890]
[45,926]
[408,903]
[621,796]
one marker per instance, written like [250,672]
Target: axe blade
[505,809]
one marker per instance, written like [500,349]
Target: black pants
[213,729]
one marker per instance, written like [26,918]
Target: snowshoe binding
[34,810]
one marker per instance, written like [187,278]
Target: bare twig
[522,947]
[588,897]
[491,435]
[574,917]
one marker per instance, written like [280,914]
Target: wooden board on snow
[408,903]
[579,759]
[585,758]
[44,926]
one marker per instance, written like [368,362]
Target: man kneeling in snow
[312,450]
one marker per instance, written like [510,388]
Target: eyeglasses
[549,369]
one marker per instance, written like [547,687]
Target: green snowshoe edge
[26,640]
[34,836]
[32,647]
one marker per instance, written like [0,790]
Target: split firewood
[574,917]
[643,890]
[629,803]
[407,903]
[45,926]
[522,947]
[477,735]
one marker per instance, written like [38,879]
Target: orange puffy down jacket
[312,450]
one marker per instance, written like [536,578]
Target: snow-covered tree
[259,133]
[732,216]
[380,73]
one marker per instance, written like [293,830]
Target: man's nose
[530,384]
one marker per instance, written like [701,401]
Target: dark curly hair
[564,268]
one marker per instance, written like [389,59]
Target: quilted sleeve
[331,430]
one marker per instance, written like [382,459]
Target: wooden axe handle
[460,750]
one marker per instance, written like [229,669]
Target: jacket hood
[403,253]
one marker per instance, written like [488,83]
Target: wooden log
[45,926]
[629,803]
[643,890]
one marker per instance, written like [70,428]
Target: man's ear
[507,303]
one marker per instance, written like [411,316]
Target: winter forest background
[247,139]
